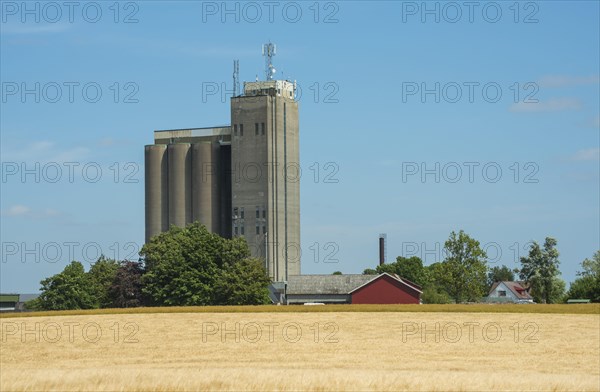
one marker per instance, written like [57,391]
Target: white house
[509,292]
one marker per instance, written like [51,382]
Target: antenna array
[236,78]
[268,50]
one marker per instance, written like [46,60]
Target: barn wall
[385,290]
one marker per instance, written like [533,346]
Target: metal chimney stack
[382,248]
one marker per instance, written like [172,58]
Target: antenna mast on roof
[236,78]
[268,50]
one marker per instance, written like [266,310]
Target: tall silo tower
[265,163]
[238,180]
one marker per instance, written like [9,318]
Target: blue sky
[510,125]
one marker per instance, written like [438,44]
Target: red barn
[351,289]
[387,289]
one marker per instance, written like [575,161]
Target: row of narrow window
[259,129]
[261,222]
[238,220]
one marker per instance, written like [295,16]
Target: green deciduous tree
[435,295]
[243,283]
[370,271]
[101,276]
[540,272]
[410,268]
[188,266]
[463,273]
[70,289]
[557,291]
[500,274]
[587,286]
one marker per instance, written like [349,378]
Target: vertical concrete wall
[249,172]
[180,201]
[155,190]
[266,174]
[284,191]
[291,178]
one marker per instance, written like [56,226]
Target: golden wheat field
[321,351]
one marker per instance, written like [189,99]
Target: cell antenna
[268,51]
[236,78]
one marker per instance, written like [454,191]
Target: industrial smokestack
[382,238]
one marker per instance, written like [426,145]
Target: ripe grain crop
[317,351]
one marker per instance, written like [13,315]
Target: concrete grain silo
[156,190]
[239,180]
[205,185]
[180,195]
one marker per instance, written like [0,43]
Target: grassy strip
[475,308]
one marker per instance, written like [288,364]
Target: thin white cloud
[551,105]
[19,210]
[588,154]
[50,212]
[106,142]
[550,81]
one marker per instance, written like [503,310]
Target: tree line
[180,267]
[191,266]
[464,275]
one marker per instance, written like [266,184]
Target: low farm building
[351,289]
[15,302]
[8,302]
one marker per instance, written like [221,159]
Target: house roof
[326,284]
[9,297]
[515,287]
[27,297]
[405,282]
[337,284]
